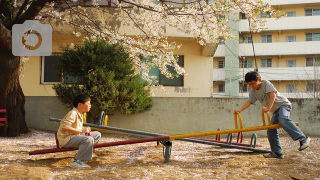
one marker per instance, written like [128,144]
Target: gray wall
[180,115]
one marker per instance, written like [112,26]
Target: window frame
[221,88]
[265,15]
[314,60]
[312,87]
[245,63]
[246,39]
[221,62]
[42,79]
[288,88]
[160,77]
[293,14]
[312,12]
[63,78]
[267,37]
[245,87]
[266,62]
[287,63]
[243,15]
[221,40]
[294,38]
[312,38]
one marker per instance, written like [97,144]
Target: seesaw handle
[236,121]
[263,119]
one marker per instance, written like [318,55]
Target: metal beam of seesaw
[174,137]
[229,131]
[202,141]
[185,137]
[115,129]
[100,145]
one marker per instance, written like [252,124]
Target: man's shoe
[273,155]
[78,164]
[304,143]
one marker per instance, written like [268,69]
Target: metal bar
[257,128]
[167,145]
[134,141]
[114,128]
[184,138]
[226,145]
[53,150]
[223,142]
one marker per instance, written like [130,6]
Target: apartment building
[287,53]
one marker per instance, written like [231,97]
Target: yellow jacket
[74,119]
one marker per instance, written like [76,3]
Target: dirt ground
[145,160]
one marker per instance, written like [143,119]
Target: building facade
[287,53]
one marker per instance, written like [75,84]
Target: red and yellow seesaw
[166,140]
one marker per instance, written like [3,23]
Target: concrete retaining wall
[180,115]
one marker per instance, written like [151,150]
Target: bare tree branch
[33,10]
[21,9]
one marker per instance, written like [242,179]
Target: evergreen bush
[106,73]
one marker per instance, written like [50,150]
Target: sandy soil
[145,161]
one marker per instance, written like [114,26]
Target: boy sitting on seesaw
[71,133]
[280,106]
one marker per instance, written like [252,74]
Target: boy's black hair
[252,76]
[81,98]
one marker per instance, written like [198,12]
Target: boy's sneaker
[78,164]
[304,143]
[273,155]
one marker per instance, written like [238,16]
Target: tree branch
[33,10]
[24,5]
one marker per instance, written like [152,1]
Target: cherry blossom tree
[205,21]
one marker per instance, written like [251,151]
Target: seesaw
[166,140]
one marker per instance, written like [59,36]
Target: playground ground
[145,161]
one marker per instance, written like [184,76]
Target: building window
[312,61]
[312,87]
[291,88]
[245,88]
[50,74]
[291,63]
[179,3]
[162,79]
[221,87]
[266,38]
[220,64]
[312,12]
[291,38]
[291,14]
[246,63]
[243,16]
[221,40]
[265,15]
[312,36]
[267,62]
[246,39]
[108,3]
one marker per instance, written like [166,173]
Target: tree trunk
[11,95]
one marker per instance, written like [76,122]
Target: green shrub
[106,73]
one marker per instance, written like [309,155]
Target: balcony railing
[314,95]
[286,23]
[274,49]
[291,2]
[275,74]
